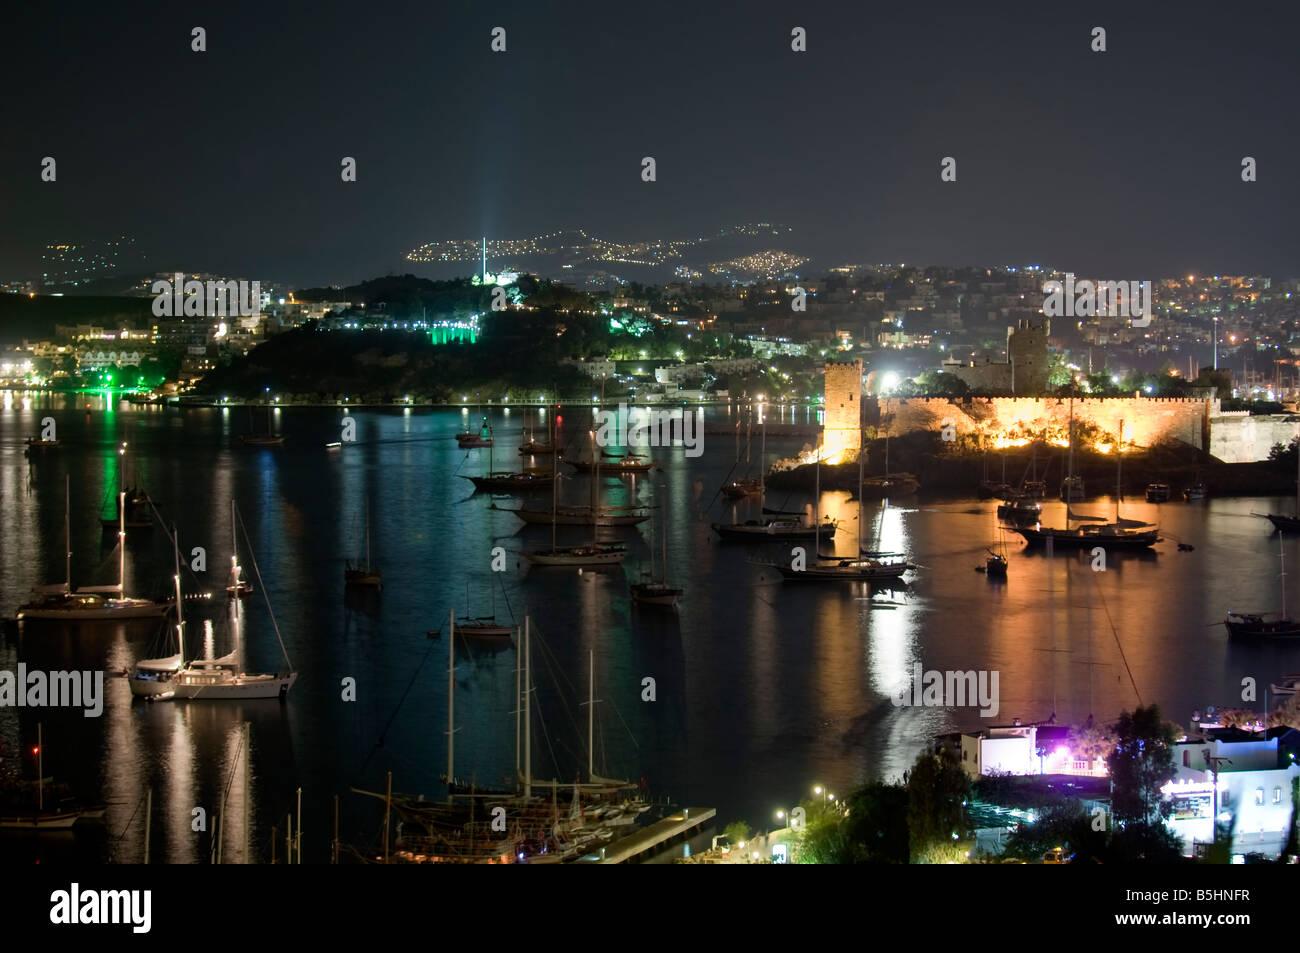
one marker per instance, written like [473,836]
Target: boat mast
[67,533]
[1281,555]
[121,545]
[595,483]
[591,709]
[1119,468]
[555,481]
[528,711]
[817,497]
[180,615]
[518,672]
[234,550]
[40,770]
[861,455]
[451,703]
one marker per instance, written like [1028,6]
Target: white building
[1024,750]
[1254,792]
[595,369]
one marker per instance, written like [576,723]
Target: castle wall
[1147,420]
[1238,437]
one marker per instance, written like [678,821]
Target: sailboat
[479,438]
[59,602]
[484,627]
[161,679]
[531,447]
[20,811]
[1121,534]
[267,439]
[866,566]
[781,527]
[1071,486]
[655,591]
[1290,524]
[594,554]
[137,502]
[507,481]
[1243,625]
[747,486]
[628,463]
[238,587]
[355,574]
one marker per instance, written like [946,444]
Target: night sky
[1123,164]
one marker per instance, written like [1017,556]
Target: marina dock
[646,839]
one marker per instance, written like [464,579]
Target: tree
[937,789]
[1141,763]
[737,832]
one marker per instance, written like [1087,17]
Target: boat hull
[850,573]
[36,821]
[97,614]
[543,517]
[238,688]
[757,532]
[511,484]
[1289,523]
[577,557]
[1240,628]
[1079,539]
[654,594]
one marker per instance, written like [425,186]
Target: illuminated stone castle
[842,419]
[1023,373]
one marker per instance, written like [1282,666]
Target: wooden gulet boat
[655,590]
[60,602]
[355,575]
[594,554]
[1119,535]
[1256,625]
[865,567]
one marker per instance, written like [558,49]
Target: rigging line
[271,612]
[505,595]
[113,853]
[1111,622]
[219,831]
[379,743]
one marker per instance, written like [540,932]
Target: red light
[35,750]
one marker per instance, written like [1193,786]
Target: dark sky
[1123,164]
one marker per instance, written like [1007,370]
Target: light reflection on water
[761,689]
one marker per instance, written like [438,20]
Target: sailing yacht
[356,575]
[162,679]
[238,587]
[1290,524]
[1121,534]
[592,554]
[267,439]
[507,481]
[1243,625]
[866,566]
[59,602]
[781,527]
[655,590]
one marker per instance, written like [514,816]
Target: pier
[646,839]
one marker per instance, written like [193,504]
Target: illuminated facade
[842,421]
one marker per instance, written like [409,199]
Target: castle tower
[842,426]
[1027,357]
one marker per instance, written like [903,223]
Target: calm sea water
[761,689]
